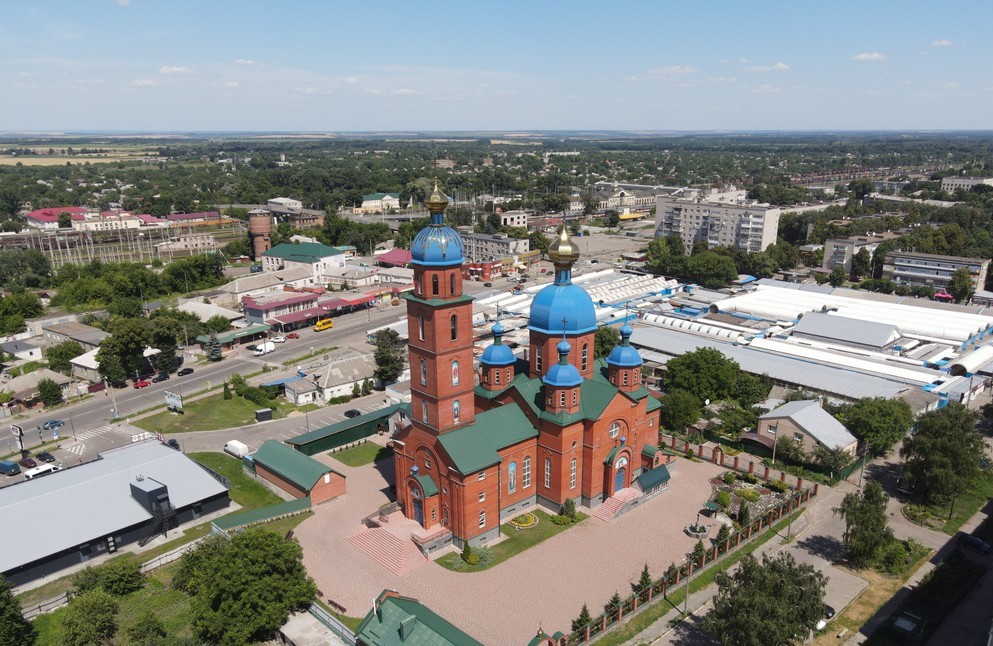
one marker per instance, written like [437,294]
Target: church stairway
[616,504]
[398,555]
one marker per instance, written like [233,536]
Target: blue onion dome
[437,245]
[497,354]
[562,300]
[624,355]
[563,373]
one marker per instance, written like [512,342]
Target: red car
[292,335]
[141,383]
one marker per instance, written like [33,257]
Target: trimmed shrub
[729,478]
[778,486]
[748,494]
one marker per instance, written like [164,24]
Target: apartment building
[949,184]
[484,246]
[743,224]
[930,270]
[840,251]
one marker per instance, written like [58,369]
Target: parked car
[174,443]
[142,383]
[27,463]
[45,456]
[184,371]
[278,339]
[487,284]
[351,412]
[162,376]
[828,616]
[292,335]
[969,542]
[251,347]
[53,424]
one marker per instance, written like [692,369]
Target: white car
[278,339]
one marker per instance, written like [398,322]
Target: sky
[487,65]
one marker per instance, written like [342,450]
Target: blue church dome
[563,373]
[437,245]
[562,300]
[624,355]
[497,354]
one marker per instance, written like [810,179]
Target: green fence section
[263,514]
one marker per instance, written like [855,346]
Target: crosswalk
[79,447]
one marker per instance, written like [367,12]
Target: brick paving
[545,586]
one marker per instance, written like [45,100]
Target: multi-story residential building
[840,251]
[929,270]
[949,184]
[380,202]
[317,256]
[514,218]
[107,221]
[485,246]
[743,224]
[285,204]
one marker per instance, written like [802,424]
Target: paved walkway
[545,586]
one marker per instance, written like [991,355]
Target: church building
[484,447]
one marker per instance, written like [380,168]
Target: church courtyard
[546,585]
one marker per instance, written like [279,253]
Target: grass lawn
[362,454]
[351,622]
[515,542]
[207,414]
[966,505]
[246,492]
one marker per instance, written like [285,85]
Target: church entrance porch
[621,502]
[398,543]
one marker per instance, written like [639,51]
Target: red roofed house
[394,258]
[48,219]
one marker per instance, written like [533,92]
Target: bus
[324,324]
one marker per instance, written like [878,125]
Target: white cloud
[869,56]
[243,61]
[742,60]
[351,80]
[778,67]
[941,43]
[142,83]
[174,69]
[671,71]
[231,85]
[951,84]
[405,91]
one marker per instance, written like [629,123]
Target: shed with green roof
[402,621]
[348,430]
[297,474]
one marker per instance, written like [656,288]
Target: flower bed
[524,521]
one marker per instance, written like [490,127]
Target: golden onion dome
[563,251]
[437,201]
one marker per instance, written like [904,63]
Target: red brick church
[482,448]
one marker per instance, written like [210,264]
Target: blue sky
[157,65]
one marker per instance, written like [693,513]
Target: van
[9,468]
[235,448]
[324,324]
[264,348]
[41,470]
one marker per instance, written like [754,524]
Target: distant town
[365,390]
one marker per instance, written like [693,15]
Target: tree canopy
[943,453]
[706,373]
[680,408]
[14,628]
[960,286]
[389,355]
[770,603]
[866,531]
[876,421]
[604,340]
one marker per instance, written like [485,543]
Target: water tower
[260,231]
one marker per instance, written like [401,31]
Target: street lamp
[689,570]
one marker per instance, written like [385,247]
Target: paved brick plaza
[546,585]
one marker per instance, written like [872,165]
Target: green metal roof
[302,252]
[428,485]
[301,470]
[613,452]
[649,451]
[475,447]
[424,626]
[238,333]
[379,196]
[346,424]
[465,298]
[653,404]
[653,478]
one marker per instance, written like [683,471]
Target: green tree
[389,356]
[680,408]
[90,619]
[712,270]
[723,500]
[644,582]
[706,373]
[876,421]
[356,389]
[213,348]
[65,220]
[604,340]
[218,323]
[790,450]
[247,587]
[723,535]
[539,241]
[14,628]
[366,387]
[121,577]
[866,531]
[747,612]
[584,619]
[862,263]
[147,629]
[127,343]
[49,392]
[611,606]
[943,453]
[960,286]
[837,277]
[832,460]
[699,551]
[60,355]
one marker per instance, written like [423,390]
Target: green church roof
[476,446]
[297,468]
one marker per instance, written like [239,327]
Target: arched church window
[420,326]
[537,359]
[451,283]
[548,473]
[424,411]
[586,356]
[456,411]
[496,376]
[434,284]
[512,477]
[526,473]
[455,327]
[424,372]
[455,373]
[625,377]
